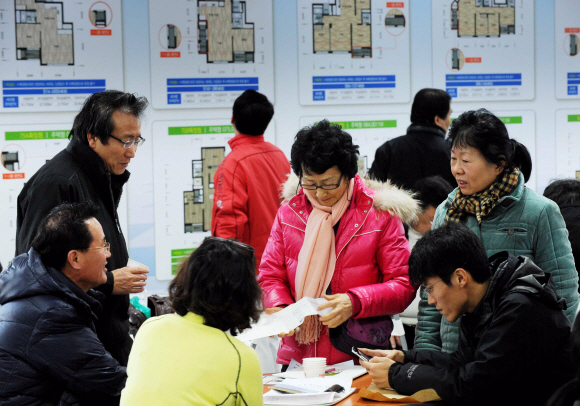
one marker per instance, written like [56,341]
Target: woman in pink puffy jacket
[341,238]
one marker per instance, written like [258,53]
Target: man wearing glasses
[50,351]
[104,138]
[515,340]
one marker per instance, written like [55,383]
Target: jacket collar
[243,139]
[92,164]
[194,318]
[431,129]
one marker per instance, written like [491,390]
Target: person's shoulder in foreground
[50,350]
[511,310]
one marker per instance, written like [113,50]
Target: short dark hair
[317,149]
[252,113]
[96,115]
[218,282]
[485,132]
[564,192]
[442,250]
[428,104]
[64,229]
[431,191]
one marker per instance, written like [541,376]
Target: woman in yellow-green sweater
[188,358]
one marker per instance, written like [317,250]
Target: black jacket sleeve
[504,352]
[380,167]
[70,352]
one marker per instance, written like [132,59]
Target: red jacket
[247,191]
[371,266]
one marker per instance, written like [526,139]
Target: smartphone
[359,354]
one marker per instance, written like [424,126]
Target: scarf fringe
[309,330]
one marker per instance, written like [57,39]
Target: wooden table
[355,399]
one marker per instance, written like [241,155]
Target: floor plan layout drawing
[42,33]
[483,18]
[343,26]
[224,35]
[198,201]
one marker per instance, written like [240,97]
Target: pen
[330,370]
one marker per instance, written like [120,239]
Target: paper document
[285,320]
[345,369]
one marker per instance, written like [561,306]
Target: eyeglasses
[323,187]
[130,143]
[429,289]
[106,246]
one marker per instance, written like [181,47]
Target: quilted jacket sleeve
[273,276]
[428,329]
[553,254]
[395,293]
[71,353]
[230,203]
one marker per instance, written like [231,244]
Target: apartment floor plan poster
[566,47]
[204,54]
[54,54]
[186,155]
[24,149]
[484,49]
[368,132]
[568,144]
[353,51]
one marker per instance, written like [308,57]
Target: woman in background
[492,200]
[188,358]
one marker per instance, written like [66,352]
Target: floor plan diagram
[197,203]
[343,26]
[483,18]
[223,33]
[42,33]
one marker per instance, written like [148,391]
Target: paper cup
[314,367]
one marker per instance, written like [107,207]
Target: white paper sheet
[285,320]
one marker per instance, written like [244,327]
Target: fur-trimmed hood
[386,197]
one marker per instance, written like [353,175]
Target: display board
[568,144]
[25,148]
[54,54]
[566,47]
[521,126]
[353,52]
[186,156]
[483,50]
[368,132]
[204,54]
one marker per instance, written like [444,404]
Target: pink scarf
[317,258]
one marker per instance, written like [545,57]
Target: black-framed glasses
[106,246]
[429,289]
[323,187]
[128,144]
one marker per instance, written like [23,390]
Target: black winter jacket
[49,351]
[513,349]
[78,174]
[421,153]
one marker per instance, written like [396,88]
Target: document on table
[345,369]
[285,320]
[314,392]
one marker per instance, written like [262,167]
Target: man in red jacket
[248,181]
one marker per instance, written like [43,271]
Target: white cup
[314,367]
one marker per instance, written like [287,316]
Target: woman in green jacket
[491,199]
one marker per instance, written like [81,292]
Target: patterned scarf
[481,203]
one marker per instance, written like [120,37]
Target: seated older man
[514,345]
[49,351]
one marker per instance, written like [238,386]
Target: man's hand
[130,279]
[378,369]
[341,312]
[272,310]
[395,355]
[395,341]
